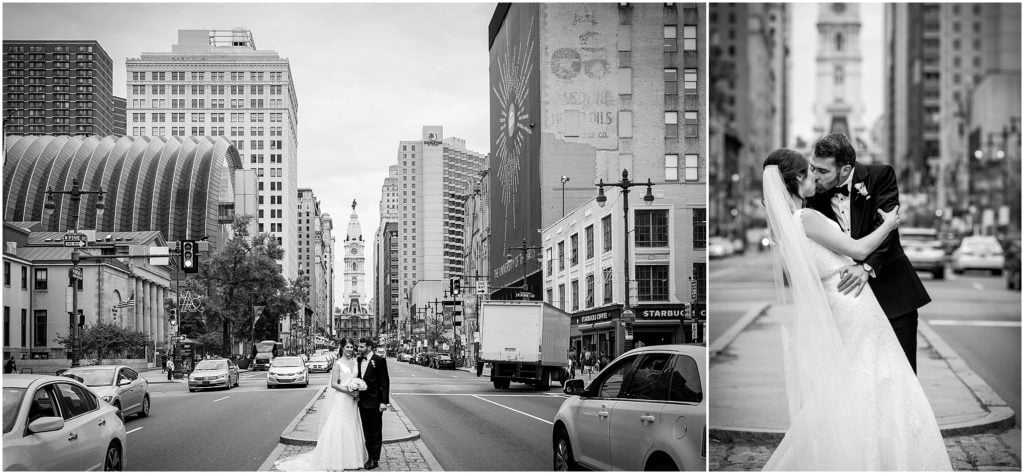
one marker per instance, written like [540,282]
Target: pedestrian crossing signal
[189,256]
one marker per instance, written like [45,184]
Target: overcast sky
[804,47]
[367,76]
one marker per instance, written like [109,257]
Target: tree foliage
[107,340]
[244,273]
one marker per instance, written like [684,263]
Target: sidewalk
[749,366]
[403,450]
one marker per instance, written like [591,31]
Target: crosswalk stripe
[953,322]
[132,431]
[513,409]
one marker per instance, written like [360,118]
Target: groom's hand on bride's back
[854,278]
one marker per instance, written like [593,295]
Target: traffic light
[456,286]
[81,318]
[172,317]
[189,256]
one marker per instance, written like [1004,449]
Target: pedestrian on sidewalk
[170,368]
[588,362]
[10,367]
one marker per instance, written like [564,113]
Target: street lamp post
[565,179]
[76,193]
[627,315]
[524,249]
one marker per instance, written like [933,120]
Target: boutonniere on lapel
[372,365]
[862,190]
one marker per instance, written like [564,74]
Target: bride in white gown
[854,402]
[340,445]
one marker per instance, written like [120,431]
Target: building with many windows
[385,254]
[749,76]
[316,255]
[58,87]
[217,83]
[433,171]
[586,91]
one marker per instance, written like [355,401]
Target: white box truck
[524,341]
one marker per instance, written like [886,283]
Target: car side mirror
[45,424]
[573,387]
[123,382]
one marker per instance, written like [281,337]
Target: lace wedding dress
[894,426]
[855,403]
[340,445]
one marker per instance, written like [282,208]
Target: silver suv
[645,411]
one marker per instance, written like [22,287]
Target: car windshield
[287,362]
[12,400]
[978,247]
[212,365]
[92,377]
[318,359]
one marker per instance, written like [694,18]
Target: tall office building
[217,83]
[433,171]
[315,255]
[385,305]
[586,91]
[59,88]
[952,70]
[749,106]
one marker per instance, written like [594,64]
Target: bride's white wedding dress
[870,413]
[340,444]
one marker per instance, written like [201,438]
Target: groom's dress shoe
[368,465]
[373,465]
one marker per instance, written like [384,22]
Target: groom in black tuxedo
[373,401]
[851,194]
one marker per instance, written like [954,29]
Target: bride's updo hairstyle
[792,166]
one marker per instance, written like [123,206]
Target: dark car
[442,361]
[423,358]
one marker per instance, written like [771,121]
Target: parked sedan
[645,411]
[404,357]
[213,373]
[117,385]
[924,250]
[442,361]
[981,252]
[287,371]
[318,364]
[58,424]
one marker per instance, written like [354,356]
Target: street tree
[244,273]
[108,340]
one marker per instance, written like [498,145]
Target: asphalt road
[470,426]
[973,312]
[214,430]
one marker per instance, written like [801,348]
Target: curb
[729,335]
[286,438]
[1000,415]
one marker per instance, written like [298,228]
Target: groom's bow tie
[844,190]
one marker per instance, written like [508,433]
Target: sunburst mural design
[514,71]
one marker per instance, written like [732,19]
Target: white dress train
[889,424]
[340,445]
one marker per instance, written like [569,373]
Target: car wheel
[939,274]
[562,451]
[997,272]
[958,272]
[145,407]
[113,461]
[661,464]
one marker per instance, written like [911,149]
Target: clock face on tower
[354,250]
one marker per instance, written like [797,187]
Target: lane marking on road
[513,409]
[953,322]
[132,431]
[507,395]
[978,286]
[224,398]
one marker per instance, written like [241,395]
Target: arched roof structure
[169,184]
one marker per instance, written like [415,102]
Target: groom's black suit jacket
[896,284]
[378,383]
